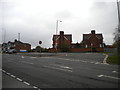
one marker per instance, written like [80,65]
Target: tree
[117,39]
[65,47]
[38,48]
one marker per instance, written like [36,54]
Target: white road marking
[35,87]
[59,69]
[92,62]
[114,72]
[104,61]
[12,76]
[62,66]
[26,62]
[8,73]
[108,76]
[19,79]
[26,83]
[3,71]
[83,61]
[97,63]
[22,57]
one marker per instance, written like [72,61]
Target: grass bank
[114,59]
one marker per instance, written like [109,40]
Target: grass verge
[114,59]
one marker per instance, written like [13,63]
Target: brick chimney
[61,33]
[92,31]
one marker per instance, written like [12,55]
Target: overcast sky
[35,20]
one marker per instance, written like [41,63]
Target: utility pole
[118,8]
[18,36]
[118,30]
[56,33]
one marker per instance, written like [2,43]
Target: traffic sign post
[40,42]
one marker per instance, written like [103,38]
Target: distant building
[17,45]
[76,45]
[59,40]
[92,41]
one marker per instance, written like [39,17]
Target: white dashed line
[22,57]
[8,73]
[19,79]
[12,76]
[59,68]
[35,87]
[65,67]
[26,83]
[3,71]
[97,63]
[108,76]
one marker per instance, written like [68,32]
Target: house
[62,40]
[17,45]
[93,41]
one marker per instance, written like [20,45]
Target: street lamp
[56,33]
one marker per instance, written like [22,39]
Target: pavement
[65,70]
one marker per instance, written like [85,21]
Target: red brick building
[93,41]
[17,45]
[59,41]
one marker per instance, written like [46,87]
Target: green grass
[114,59]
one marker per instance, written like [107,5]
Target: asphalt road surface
[66,70]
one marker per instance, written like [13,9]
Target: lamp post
[118,37]
[56,33]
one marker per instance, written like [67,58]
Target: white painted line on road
[35,87]
[59,69]
[83,61]
[97,63]
[62,66]
[26,83]
[92,62]
[3,71]
[108,76]
[100,75]
[26,62]
[105,59]
[22,57]
[8,73]
[114,72]
[19,79]
[12,76]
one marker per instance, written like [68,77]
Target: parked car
[12,51]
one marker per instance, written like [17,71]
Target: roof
[87,36]
[66,36]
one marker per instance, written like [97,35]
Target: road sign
[40,42]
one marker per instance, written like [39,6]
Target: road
[66,70]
